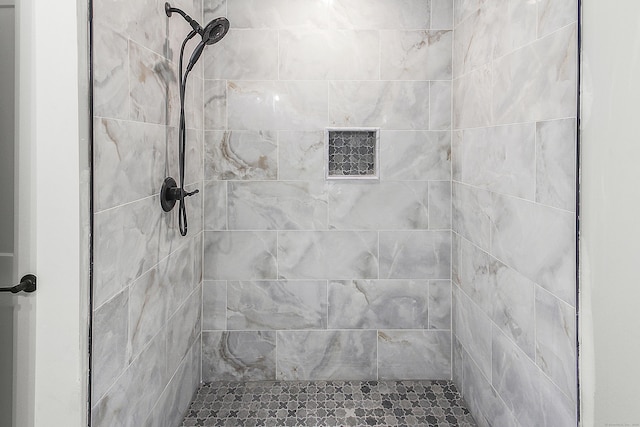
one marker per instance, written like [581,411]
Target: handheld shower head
[212,33]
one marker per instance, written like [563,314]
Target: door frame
[53,127]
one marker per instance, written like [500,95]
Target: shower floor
[328,403]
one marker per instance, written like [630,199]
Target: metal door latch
[27,284]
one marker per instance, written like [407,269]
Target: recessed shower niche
[352,153]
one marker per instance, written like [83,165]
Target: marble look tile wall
[514,217]
[147,293]
[309,279]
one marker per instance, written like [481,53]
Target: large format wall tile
[500,159]
[238,356]
[416,55]
[382,205]
[471,210]
[129,161]
[387,104]
[556,163]
[440,304]
[415,155]
[415,254]
[473,329]
[532,398]
[109,351]
[277,305]
[281,205]
[277,105]
[555,14]
[472,94]
[378,304]
[326,355]
[243,155]
[183,329]
[328,254]
[130,400]
[538,81]
[242,255]
[215,104]
[152,79]
[556,341]
[244,54]
[110,74]
[214,305]
[440,205]
[329,55]
[301,155]
[414,354]
[278,13]
[380,14]
[521,236]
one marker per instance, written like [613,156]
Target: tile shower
[457,264]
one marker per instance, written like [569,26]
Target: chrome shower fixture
[212,33]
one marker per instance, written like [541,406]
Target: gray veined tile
[327,254]
[329,55]
[439,205]
[556,147]
[110,73]
[442,14]
[555,14]
[273,305]
[241,155]
[130,400]
[148,298]
[485,404]
[472,210]
[301,155]
[127,245]
[501,159]
[473,329]
[380,14]
[277,105]
[556,342]
[414,354]
[393,105]
[376,304]
[178,275]
[440,306]
[214,305]
[415,254]
[472,95]
[239,356]
[379,205]
[440,98]
[531,396]
[153,87]
[109,343]
[416,55]
[183,330]
[415,155]
[520,236]
[278,205]
[240,255]
[537,82]
[130,161]
[215,104]
[215,205]
[326,355]
[247,54]
[278,14]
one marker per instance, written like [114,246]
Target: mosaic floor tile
[329,403]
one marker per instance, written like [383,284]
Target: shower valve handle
[171,193]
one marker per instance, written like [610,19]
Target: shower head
[215,30]
[212,33]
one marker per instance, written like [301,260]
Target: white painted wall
[610,228]
[53,118]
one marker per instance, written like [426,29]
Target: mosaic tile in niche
[352,153]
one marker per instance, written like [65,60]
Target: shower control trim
[171,193]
